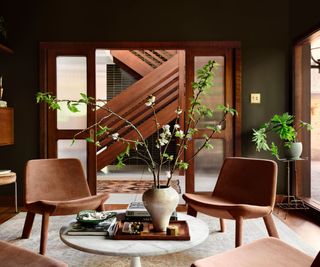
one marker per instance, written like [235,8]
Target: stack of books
[5,172]
[105,228]
[136,212]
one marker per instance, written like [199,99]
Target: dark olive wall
[305,17]
[262,27]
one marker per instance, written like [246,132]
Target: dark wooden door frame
[301,100]
[45,47]
[49,117]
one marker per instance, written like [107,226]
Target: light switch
[255,98]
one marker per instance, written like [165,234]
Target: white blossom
[178,111]
[163,142]
[115,136]
[176,126]
[166,127]
[150,101]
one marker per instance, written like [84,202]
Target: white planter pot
[294,152]
[160,203]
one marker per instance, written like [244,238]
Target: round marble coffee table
[138,248]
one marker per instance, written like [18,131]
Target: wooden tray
[149,234]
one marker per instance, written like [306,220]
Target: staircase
[160,77]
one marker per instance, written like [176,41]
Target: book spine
[137,213]
[144,218]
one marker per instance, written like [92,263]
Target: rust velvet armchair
[14,256]
[245,189]
[56,187]
[265,252]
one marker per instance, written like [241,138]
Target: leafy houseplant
[165,134]
[284,125]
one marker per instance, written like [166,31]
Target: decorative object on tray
[106,227]
[94,217]
[125,232]
[285,126]
[196,111]
[133,228]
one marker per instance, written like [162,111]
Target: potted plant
[159,194]
[283,125]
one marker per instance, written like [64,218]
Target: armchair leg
[239,223]
[101,207]
[191,211]
[222,225]
[271,227]
[44,233]
[28,224]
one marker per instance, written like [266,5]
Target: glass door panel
[76,150]
[204,169]
[69,73]
[208,164]
[216,94]
[71,81]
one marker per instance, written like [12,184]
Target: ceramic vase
[294,152]
[160,203]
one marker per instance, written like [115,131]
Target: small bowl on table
[93,217]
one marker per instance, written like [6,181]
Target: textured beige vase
[160,203]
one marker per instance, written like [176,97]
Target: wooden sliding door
[204,168]
[69,73]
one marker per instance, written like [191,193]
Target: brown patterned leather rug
[131,186]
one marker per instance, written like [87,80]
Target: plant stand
[290,202]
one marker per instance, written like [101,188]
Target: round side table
[10,178]
[138,248]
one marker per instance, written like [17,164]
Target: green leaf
[274,150]
[73,141]
[102,130]
[84,98]
[214,128]
[72,106]
[183,165]
[259,138]
[167,156]
[89,140]
[54,105]
[208,145]
[120,164]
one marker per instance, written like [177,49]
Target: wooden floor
[306,227]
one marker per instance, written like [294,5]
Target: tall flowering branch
[165,133]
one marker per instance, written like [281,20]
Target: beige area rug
[131,186]
[215,243]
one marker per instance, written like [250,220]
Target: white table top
[136,248]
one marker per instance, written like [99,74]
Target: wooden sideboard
[6,126]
